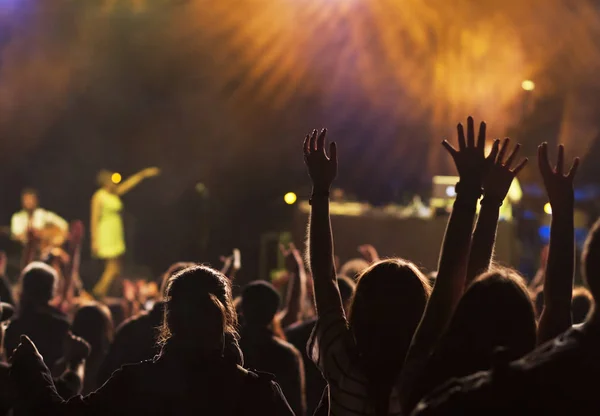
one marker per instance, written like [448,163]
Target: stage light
[528,85]
[548,208]
[116,178]
[290,198]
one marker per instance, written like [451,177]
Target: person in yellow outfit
[107,233]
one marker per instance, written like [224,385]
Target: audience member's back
[495,312]
[194,373]
[93,323]
[263,350]
[45,325]
[135,339]
[557,378]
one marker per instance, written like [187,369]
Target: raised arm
[496,185]
[472,166]
[134,180]
[558,285]
[296,285]
[322,170]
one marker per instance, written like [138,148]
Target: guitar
[49,237]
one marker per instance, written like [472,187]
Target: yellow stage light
[528,85]
[290,198]
[548,208]
[116,178]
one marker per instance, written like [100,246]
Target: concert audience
[194,374]
[362,357]
[386,338]
[264,350]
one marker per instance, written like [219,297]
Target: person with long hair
[93,322]
[195,373]
[360,357]
[107,233]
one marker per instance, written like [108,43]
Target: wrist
[319,194]
[469,189]
[492,201]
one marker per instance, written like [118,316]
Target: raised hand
[292,256]
[369,253]
[497,182]
[559,186]
[470,159]
[321,168]
[76,349]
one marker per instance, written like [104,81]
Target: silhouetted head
[346,287]
[172,271]
[582,305]
[388,304]
[104,180]
[38,284]
[29,199]
[591,260]
[199,315]
[495,311]
[93,322]
[260,303]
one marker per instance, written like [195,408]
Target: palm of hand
[470,159]
[498,181]
[321,168]
[559,186]
[500,176]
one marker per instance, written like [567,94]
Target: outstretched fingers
[543,161]
[481,137]
[520,166]
[461,137]
[453,152]
[560,160]
[470,132]
[503,150]
[573,171]
[333,151]
[513,155]
[493,156]
[321,140]
[313,141]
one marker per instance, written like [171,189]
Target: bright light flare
[528,85]
[290,198]
[116,178]
[548,208]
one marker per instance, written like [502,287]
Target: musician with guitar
[47,228]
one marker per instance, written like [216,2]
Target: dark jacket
[264,352]
[46,326]
[135,341]
[165,386]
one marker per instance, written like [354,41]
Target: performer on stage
[108,236]
[49,229]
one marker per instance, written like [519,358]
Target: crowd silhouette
[375,337]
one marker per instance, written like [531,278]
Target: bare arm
[472,165]
[296,286]
[495,188]
[134,180]
[558,286]
[322,170]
